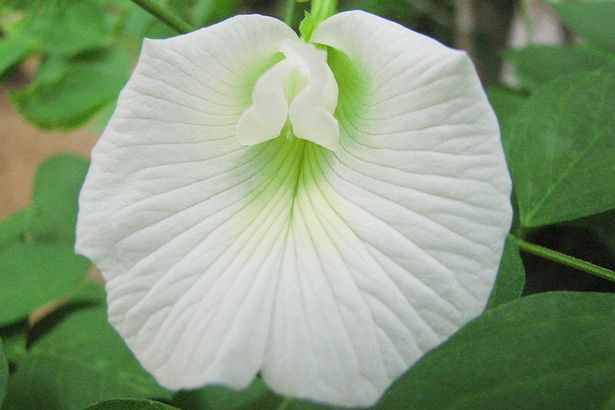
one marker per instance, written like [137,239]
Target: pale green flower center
[294,98]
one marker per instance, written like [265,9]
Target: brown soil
[23,147]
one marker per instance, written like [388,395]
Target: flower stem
[284,404]
[524,10]
[164,15]
[567,260]
[321,9]
[289,15]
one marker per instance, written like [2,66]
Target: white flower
[321,215]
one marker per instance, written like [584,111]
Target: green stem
[527,21]
[321,9]
[284,404]
[164,15]
[289,15]
[567,260]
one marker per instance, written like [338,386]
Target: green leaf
[4,374]
[68,27]
[257,395]
[90,293]
[130,405]
[81,361]
[14,337]
[57,184]
[537,65]
[562,152]
[294,404]
[66,93]
[13,49]
[307,26]
[592,20]
[15,226]
[207,12]
[548,351]
[506,103]
[511,276]
[136,21]
[31,275]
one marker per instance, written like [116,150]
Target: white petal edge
[164,207]
[396,238]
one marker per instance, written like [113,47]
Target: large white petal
[174,208]
[395,239]
[331,272]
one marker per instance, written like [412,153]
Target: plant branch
[289,15]
[465,24]
[284,404]
[437,13]
[321,9]
[567,260]
[164,15]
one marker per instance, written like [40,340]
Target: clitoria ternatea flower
[323,213]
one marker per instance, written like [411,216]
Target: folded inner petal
[297,95]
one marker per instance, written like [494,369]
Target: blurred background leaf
[66,92]
[65,27]
[12,51]
[4,373]
[37,261]
[14,337]
[31,275]
[130,405]
[538,65]
[78,362]
[14,227]
[56,190]
[592,20]
[64,62]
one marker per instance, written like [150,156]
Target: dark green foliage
[78,362]
[37,261]
[13,227]
[537,65]
[130,405]
[549,351]
[84,26]
[562,148]
[56,190]
[511,276]
[4,373]
[31,275]
[255,396]
[592,20]
[12,51]
[67,92]
[506,103]
[14,340]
